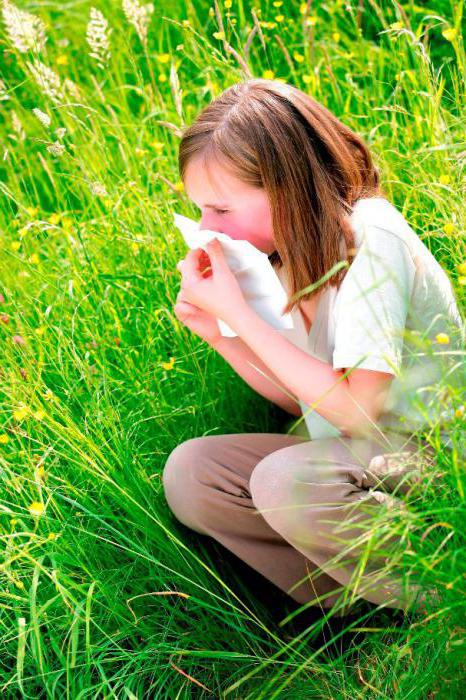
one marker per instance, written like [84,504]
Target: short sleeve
[372,304]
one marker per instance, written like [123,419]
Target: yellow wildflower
[32,211]
[163,57]
[13,521]
[219,35]
[307,79]
[40,330]
[462,268]
[19,584]
[36,508]
[51,536]
[336,37]
[162,78]
[459,411]
[449,228]
[39,414]
[268,75]
[179,187]
[169,365]
[303,8]
[22,231]
[279,18]
[444,179]
[62,60]
[158,145]
[4,438]
[186,23]
[41,473]
[34,259]
[298,57]
[140,152]
[15,246]
[228,3]
[396,26]
[49,395]
[442,338]
[450,33]
[278,3]
[462,281]
[311,21]
[20,413]
[67,223]
[54,219]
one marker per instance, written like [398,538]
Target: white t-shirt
[395,297]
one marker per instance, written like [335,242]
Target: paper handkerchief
[259,283]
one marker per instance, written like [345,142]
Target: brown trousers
[315,517]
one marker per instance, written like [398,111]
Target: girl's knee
[270,486]
[181,480]
[186,457]
[292,501]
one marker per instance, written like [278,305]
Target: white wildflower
[3,94]
[26,32]
[72,89]
[60,132]
[63,42]
[42,116]
[98,189]
[139,16]
[56,148]
[97,36]
[17,126]
[50,82]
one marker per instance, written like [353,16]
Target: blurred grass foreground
[102,592]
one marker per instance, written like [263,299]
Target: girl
[266,163]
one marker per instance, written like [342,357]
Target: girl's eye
[221,211]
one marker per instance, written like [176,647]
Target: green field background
[103,593]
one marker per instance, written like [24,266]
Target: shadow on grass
[272,606]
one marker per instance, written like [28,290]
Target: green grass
[105,593]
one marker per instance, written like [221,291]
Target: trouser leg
[206,483]
[323,496]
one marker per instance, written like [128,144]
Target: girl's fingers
[183,307]
[190,265]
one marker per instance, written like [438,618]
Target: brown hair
[274,136]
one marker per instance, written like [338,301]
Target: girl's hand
[219,293]
[198,321]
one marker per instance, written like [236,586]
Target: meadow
[103,593]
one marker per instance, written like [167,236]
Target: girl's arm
[353,407]
[239,356]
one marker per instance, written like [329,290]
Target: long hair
[271,135]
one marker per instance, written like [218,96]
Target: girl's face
[229,205]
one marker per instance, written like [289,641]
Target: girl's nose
[208,222]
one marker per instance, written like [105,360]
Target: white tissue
[259,283]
